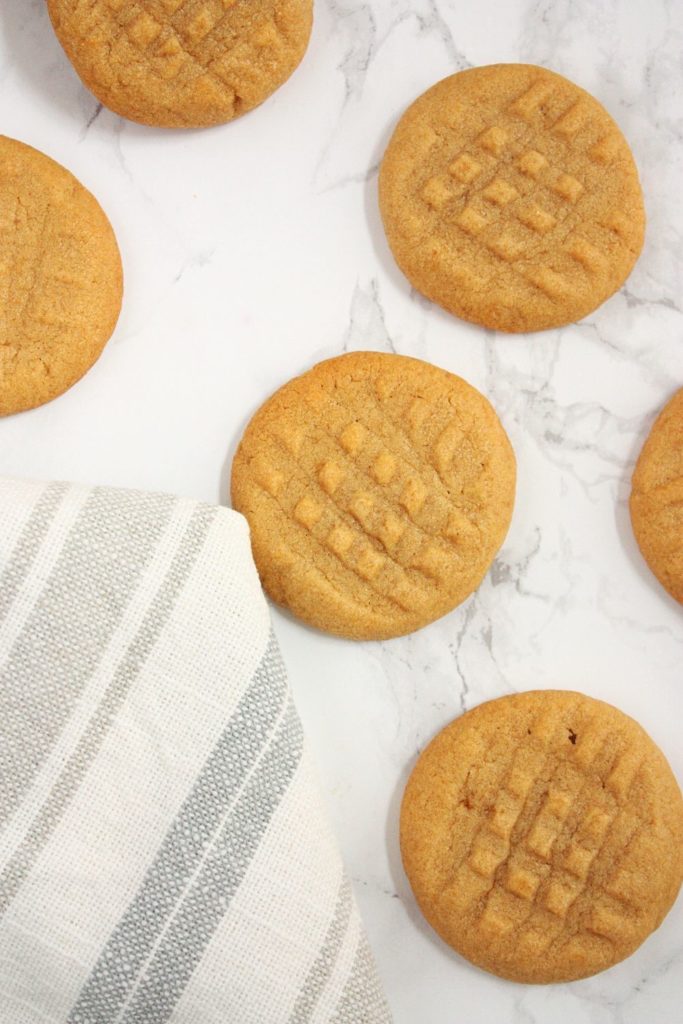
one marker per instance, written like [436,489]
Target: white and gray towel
[163,853]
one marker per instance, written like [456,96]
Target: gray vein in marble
[455,648]
[503,571]
[97,110]
[367,323]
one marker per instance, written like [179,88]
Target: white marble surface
[254,250]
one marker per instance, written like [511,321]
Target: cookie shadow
[622,515]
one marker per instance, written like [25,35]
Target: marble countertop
[252,251]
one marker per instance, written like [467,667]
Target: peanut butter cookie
[542,834]
[378,489]
[657,498]
[182,63]
[62,281]
[510,197]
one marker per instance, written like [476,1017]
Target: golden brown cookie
[657,498]
[510,197]
[61,282]
[378,489]
[542,834]
[183,63]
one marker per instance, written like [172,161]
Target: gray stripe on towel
[124,677]
[362,1001]
[322,968]
[85,596]
[169,883]
[224,869]
[25,552]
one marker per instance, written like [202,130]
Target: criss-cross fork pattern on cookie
[553,865]
[174,35]
[363,503]
[384,507]
[42,290]
[542,835]
[544,860]
[510,197]
[505,193]
[229,54]
[60,278]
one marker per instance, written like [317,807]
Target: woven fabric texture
[164,856]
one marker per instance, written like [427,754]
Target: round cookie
[542,834]
[183,63]
[62,282]
[657,498]
[510,197]
[378,489]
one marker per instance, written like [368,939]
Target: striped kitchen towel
[163,854]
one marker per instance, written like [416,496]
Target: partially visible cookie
[378,489]
[657,498]
[61,282]
[510,197]
[542,834]
[183,63]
